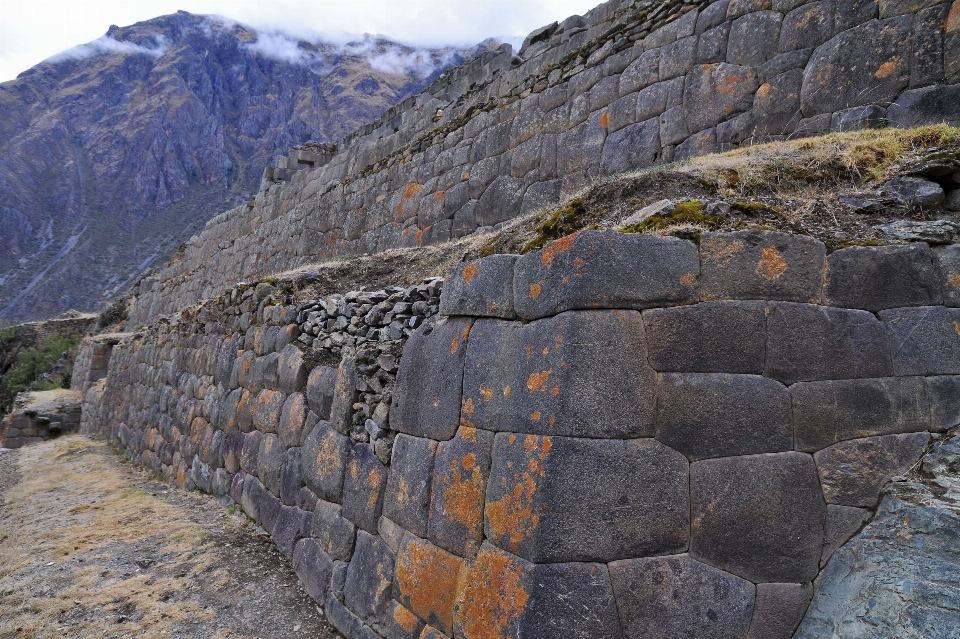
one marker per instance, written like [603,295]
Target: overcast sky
[32,30]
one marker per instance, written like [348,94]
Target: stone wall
[617,436]
[38,416]
[629,85]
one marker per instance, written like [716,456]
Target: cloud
[106,45]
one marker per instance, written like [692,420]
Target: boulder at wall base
[899,577]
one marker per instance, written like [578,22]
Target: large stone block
[344,395]
[868,64]
[705,415]
[288,529]
[500,201]
[713,92]
[250,451]
[369,577]
[707,337]
[853,472]
[632,147]
[363,488]
[761,265]
[606,269]
[753,38]
[482,288]
[267,411]
[680,597]
[460,475]
[843,522]
[807,342]
[291,477]
[501,595]
[334,534]
[946,263]
[407,501]
[944,394]
[324,457]
[924,340]
[427,579]
[291,370]
[269,510]
[878,277]
[250,500]
[760,517]
[320,390]
[580,373]
[558,499]
[270,462]
[292,419]
[399,623]
[313,568]
[426,402]
[825,413]
[778,611]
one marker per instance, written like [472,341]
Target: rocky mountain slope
[113,153]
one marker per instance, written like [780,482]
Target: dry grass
[72,550]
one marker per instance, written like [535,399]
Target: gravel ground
[92,547]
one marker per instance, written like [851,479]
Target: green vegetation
[691,213]
[28,370]
[572,218]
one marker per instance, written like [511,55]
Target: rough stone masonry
[628,85]
[618,436]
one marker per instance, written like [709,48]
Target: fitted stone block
[426,402]
[334,534]
[866,64]
[946,262]
[460,475]
[369,577]
[930,105]
[344,395]
[763,265]
[570,600]
[292,419]
[754,38]
[427,578]
[712,92]
[707,337]
[269,510]
[250,500]
[324,457]
[828,412]
[320,389]
[399,623]
[291,370]
[606,269]
[267,411]
[270,462]
[807,342]
[843,522]
[407,501]
[778,611]
[363,488]
[580,373]
[492,595]
[482,288]
[632,147]
[558,499]
[760,517]
[680,597]
[313,568]
[853,472]
[291,477]
[878,277]
[705,415]
[287,529]
[944,394]
[250,451]
[924,340]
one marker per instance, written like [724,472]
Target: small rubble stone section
[682,463]
[39,416]
[628,85]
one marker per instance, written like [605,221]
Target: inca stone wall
[38,416]
[629,85]
[618,436]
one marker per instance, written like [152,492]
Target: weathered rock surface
[900,577]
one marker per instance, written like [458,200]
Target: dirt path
[92,547]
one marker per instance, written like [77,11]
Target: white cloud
[34,31]
[106,44]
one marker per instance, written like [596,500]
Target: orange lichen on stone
[605,120]
[454,345]
[956,328]
[720,251]
[405,619]
[469,273]
[440,195]
[548,255]
[534,291]
[506,391]
[764,90]
[771,265]
[468,407]
[464,486]
[729,85]
[536,416]
[952,23]
[327,462]
[428,578]
[887,69]
[420,233]
[513,517]
[688,280]
[536,380]
[491,597]
[373,483]
[411,190]
[486,392]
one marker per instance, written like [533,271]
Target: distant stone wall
[618,436]
[39,416]
[629,85]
